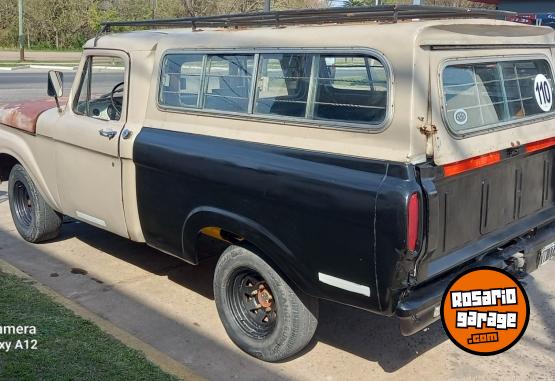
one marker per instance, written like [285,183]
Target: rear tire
[260,312]
[34,219]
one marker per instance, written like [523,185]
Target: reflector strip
[344,284]
[472,163]
[542,144]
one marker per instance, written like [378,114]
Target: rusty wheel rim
[252,303]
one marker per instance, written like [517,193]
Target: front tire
[34,219]
[260,312]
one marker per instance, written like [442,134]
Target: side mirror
[55,83]
[56,86]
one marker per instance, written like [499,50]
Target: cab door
[87,142]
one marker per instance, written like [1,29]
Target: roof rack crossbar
[386,13]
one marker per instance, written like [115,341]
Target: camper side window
[351,89]
[333,89]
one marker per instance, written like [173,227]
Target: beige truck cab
[365,156]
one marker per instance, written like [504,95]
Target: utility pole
[267,6]
[154,3]
[21,36]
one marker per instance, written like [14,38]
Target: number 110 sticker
[544,92]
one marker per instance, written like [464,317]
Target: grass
[68,347]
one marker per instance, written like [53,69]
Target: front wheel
[34,219]
[258,309]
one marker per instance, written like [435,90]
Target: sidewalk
[40,56]
[168,304]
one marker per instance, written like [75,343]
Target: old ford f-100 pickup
[365,156]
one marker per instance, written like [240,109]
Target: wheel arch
[252,235]
[17,146]
[7,162]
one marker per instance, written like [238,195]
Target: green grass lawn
[68,347]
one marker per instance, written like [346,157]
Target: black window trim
[497,126]
[271,118]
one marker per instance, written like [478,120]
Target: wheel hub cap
[264,297]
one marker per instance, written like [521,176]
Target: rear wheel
[34,219]
[258,309]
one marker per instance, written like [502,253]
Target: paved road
[169,304]
[29,84]
[26,85]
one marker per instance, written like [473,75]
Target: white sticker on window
[461,117]
[543,92]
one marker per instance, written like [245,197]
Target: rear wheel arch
[242,231]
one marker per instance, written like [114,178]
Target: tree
[452,3]
[69,23]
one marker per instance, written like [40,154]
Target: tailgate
[492,176]
[480,210]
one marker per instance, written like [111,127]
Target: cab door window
[101,90]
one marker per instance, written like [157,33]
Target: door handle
[110,134]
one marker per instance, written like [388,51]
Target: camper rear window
[479,96]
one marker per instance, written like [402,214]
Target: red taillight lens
[413,220]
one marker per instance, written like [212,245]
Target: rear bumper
[419,307]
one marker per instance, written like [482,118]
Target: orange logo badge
[485,311]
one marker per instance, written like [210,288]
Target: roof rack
[386,13]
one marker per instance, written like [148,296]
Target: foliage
[452,3]
[67,24]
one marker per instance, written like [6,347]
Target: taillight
[413,220]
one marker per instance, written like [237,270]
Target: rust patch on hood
[24,115]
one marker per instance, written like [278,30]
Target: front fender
[22,147]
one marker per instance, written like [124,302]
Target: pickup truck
[367,170]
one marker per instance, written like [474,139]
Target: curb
[10,68]
[33,66]
[53,67]
[163,361]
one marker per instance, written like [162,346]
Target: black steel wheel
[252,303]
[34,219]
[259,310]
[22,204]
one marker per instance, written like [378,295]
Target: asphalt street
[169,305]
[31,84]
[25,84]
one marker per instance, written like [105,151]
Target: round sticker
[485,311]
[461,117]
[543,92]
